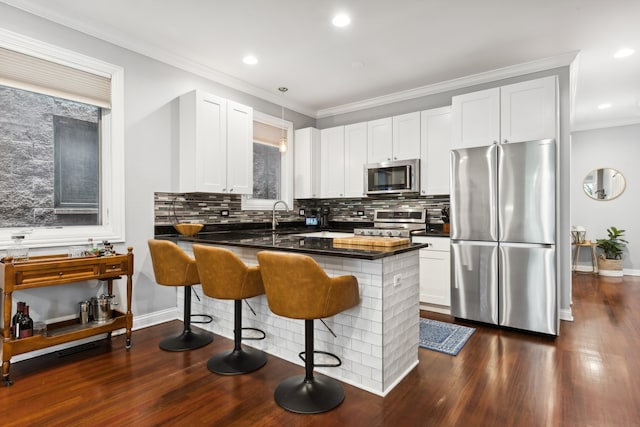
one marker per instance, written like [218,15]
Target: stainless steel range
[395,223]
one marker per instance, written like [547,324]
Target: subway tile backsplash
[207,208]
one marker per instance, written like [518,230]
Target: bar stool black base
[188,340]
[320,394]
[236,362]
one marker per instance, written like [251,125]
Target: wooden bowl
[188,229]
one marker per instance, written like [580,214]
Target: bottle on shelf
[26,324]
[15,321]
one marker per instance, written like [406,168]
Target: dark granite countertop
[287,240]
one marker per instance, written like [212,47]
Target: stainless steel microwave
[401,176]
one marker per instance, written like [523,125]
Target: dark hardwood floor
[588,376]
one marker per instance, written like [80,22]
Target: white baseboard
[565,314]
[442,309]
[587,268]
[139,322]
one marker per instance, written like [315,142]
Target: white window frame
[112,202]
[286,167]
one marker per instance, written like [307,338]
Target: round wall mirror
[604,184]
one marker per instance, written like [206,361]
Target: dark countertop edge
[346,226]
[335,252]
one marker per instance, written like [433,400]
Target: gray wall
[618,148]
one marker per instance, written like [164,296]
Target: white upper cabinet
[476,118]
[435,147]
[514,113]
[216,145]
[332,162]
[406,136]
[528,110]
[307,163]
[239,148]
[380,140]
[355,157]
[203,142]
[394,138]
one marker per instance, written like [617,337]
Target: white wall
[151,147]
[618,148]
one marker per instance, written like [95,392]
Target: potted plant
[610,261]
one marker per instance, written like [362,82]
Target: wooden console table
[52,270]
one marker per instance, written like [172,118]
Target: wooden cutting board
[371,241]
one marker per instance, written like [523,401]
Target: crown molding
[459,83]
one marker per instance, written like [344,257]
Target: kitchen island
[377,340]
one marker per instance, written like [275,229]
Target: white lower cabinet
[435,271]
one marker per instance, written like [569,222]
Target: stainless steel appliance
[402,176]
[395,223]
[503,232]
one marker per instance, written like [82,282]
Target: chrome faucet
[273,214]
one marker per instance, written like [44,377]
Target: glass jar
[18,251]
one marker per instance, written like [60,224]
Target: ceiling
[390,49]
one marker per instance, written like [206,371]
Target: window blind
[51,78]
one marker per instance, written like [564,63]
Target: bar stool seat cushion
[225,276]
[298,288]
[171,265]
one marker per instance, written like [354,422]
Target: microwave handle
[409,177]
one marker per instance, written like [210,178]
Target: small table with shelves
[52,270]
[594,259]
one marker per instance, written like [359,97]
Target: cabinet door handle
[230,190]
[60,273]
[505,141]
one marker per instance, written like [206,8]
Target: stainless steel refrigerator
[503,235]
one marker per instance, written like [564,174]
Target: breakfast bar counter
[377,340]
[329,243]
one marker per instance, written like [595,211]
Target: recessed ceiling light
[623,53]
[250,60]
[341,20]
[604,106]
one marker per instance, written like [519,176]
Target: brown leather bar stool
[173,267]
[225,276]
[298,288]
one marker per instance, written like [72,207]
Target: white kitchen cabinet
[476,118]
[406,136]
[528,110]
[435,146]
[380,140]
[355,157]
[239,148]
[435,272]
[513,113]
[306,163]
[215,134]
[332,170]
[394,138]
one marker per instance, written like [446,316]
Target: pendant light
[282,146]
